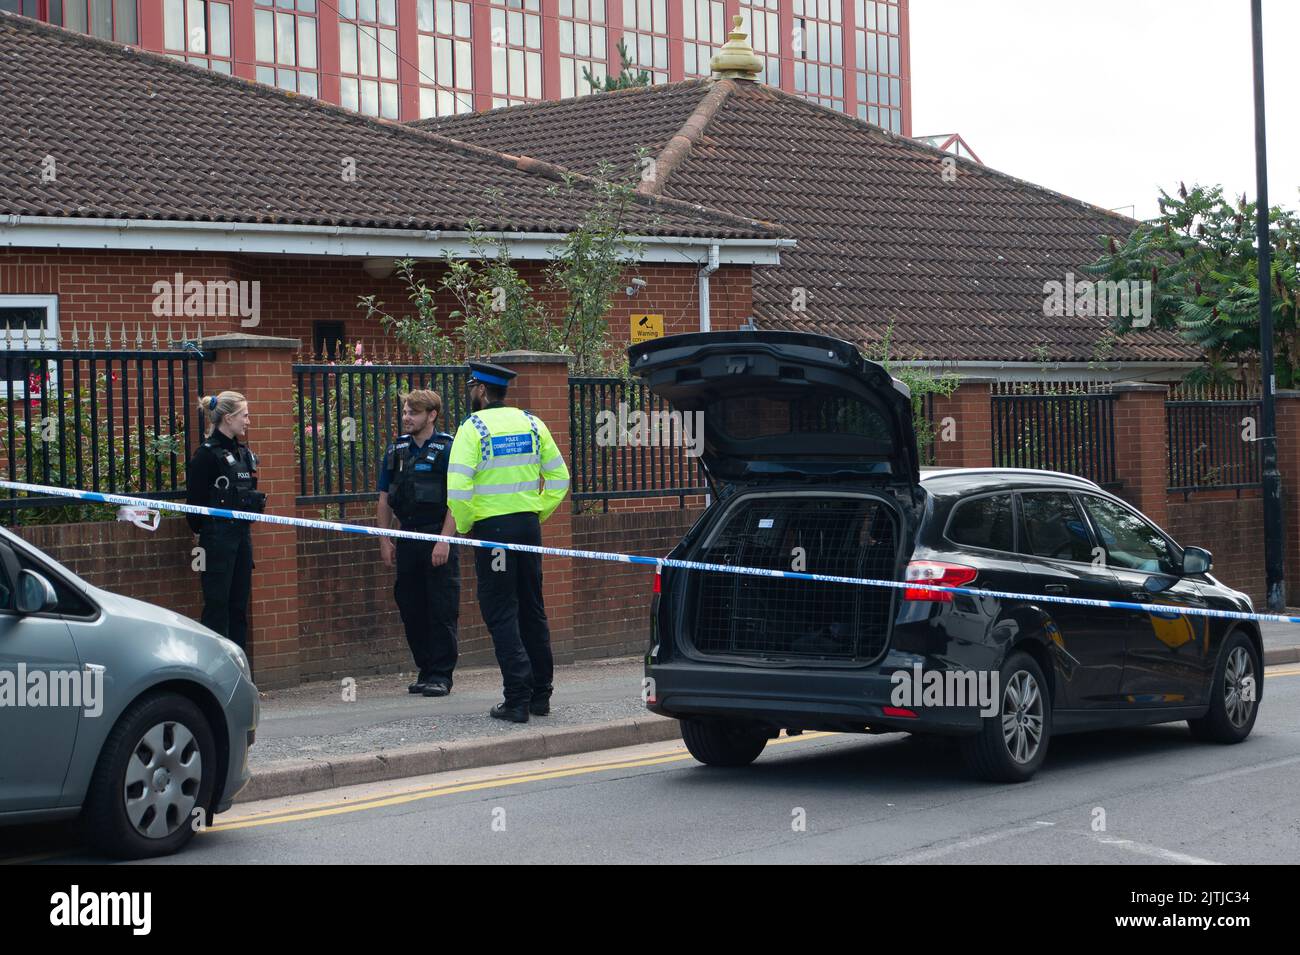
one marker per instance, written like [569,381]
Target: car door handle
[1056,589]
[1141,596]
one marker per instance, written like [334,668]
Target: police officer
[223,473]
[498,459]
[413,487]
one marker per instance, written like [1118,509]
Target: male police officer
[497,459]
[413,486]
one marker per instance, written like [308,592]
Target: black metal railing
[348,414]
[628,443]
[116,420]
[1072,433]
[1212,444]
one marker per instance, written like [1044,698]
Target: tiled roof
[136,135]
[957,267]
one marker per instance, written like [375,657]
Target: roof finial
[736,59]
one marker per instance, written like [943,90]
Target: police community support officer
[413,486]
[492,487]
[223,473]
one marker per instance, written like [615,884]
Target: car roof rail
[930,473]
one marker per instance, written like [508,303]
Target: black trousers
[510,598]
[428,598]
[227,578]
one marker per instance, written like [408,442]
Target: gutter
[262,238]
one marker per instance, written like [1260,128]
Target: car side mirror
[1197,560]
[35,593]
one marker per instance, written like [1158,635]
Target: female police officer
[223,473]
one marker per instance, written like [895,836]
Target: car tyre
[157,767]
[1011,745]
[723,742]
[1231,717]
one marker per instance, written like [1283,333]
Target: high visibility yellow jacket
[498,459]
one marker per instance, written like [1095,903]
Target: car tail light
[899,711]
[940,575]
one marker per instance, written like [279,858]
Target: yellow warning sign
[647,327]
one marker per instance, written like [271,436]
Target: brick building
[407,59]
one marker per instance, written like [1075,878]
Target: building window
[645,23]
[446,62]
[703,31]
[198,31]
[368,56]
[286,45]
[819,51]
[327,338]
[879,73]
[106,19]
[582,45]
[27,323]
[761,23]
[28,8]
[516,52]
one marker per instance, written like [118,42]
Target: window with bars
[285,44]
[583,45]
[703,31]
[819,51]
[446,60]
[516,52]
[762,25]
[368,57]
[645,25]
[107,19]
[198,32]
[879,66]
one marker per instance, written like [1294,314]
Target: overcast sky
[1110,100]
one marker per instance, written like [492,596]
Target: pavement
[312,738]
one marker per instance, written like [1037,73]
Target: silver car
[134,717]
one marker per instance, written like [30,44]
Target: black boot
[515,714]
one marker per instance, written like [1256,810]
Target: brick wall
[612,601]
[1229,528]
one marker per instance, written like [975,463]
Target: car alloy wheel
[162,780]
[1022,716]
[1235,674]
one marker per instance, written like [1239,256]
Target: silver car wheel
[1022,716]
[1235,674]
[162,780]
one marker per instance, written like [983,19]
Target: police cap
[490,374]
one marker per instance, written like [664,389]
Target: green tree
[1199,256]
[628,76]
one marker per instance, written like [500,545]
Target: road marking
[1246,770]
[1143,848]
[338,808]
[938,852]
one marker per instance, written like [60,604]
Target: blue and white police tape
[657,562]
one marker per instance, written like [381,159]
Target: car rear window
[984,522]
[1053,527]
[758,416]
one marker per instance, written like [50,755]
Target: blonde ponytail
[214,408]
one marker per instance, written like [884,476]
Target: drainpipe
[704,287]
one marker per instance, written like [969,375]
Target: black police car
[812,457]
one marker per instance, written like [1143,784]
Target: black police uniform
[223,473]
[428,597]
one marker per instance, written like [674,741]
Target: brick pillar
[1142,447]
[542,388]
[259,367]
[1288,464]
[963,426]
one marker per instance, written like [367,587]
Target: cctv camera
[637,285]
